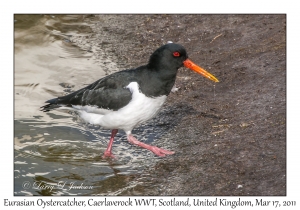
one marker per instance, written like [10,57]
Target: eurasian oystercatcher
[130,97]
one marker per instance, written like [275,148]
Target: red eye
[176,54]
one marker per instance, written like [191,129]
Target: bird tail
[52,104]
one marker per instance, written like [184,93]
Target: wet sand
[230,136]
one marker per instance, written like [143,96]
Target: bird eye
[176,54]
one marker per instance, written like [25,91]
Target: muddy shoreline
[230,136]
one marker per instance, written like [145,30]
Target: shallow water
[54,153]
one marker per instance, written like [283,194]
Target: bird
[125,99]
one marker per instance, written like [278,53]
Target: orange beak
[191,65]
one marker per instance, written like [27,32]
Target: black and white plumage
[130,97]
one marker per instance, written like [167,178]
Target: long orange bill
[191,65]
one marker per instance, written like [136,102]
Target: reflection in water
[55,154]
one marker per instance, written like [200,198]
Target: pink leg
[107,152]
[156,150]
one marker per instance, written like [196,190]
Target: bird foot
[108,154]
[160,152]
[156,150]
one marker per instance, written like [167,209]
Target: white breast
[140,109]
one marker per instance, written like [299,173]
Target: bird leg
[156,150]
[107,152]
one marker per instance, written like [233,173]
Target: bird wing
[107,93]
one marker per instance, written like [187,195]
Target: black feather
[155,79]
